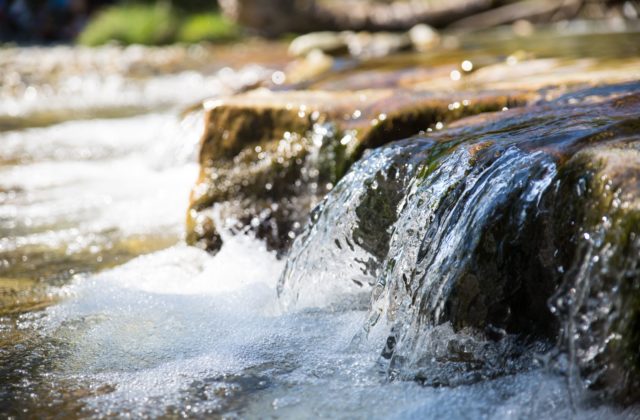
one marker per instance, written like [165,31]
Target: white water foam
[179,331]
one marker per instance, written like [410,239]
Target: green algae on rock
[597,217]
[268,157]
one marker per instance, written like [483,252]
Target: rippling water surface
[104,310]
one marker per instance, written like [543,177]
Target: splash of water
[325,248]
[444,205]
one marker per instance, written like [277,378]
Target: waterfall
[337,242]
[418,268]
[433,281]
[480,246]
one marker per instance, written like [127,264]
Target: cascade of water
[463,251]
[434,280]
[344,235]
[423,261]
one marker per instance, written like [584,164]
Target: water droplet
[278,77]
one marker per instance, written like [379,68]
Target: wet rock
[310,67]
[268,157]
[387,72]
[376,44]
[578,249]
[510,273]
[597,225]
[519,71]
[358,44]
[263,169]
[423,37]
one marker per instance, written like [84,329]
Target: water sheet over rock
[477,228]
[502,235]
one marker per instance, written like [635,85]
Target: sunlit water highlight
[179,332]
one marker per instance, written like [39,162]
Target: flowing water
[105,312]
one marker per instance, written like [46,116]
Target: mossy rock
[597,236]
[274,155]
[577,256]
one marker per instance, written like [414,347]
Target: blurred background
[148,22]
[95,22]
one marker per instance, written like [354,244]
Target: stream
[106,312]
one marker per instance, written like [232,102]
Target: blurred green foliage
[157,23]
[207,27]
